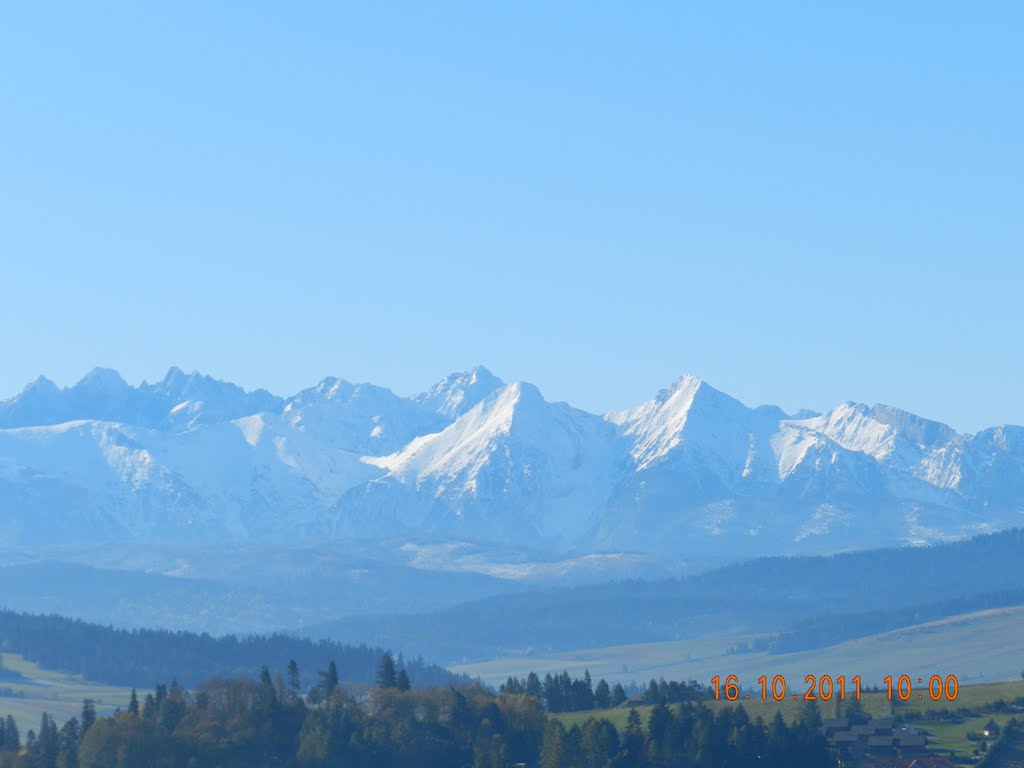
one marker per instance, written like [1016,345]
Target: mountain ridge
[690,470]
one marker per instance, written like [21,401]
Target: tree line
[267,722]
[688,736]
[562,693]
[130,657]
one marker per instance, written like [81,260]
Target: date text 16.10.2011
[826,687]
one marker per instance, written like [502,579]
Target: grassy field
[874,704]
[56,693]
[975,697]
[951,736]
[976,647]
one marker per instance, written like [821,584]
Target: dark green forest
[246,723]
[562,693]
[144,656]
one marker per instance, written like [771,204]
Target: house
[910,744]
[835,725]
[880,745]
[991,729]
[931,761]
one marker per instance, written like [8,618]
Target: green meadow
[59,694]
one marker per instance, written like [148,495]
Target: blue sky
[802,203]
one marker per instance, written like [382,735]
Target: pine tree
[618,695]
[658,723]
[633,738]
[386,672]
[47,742]
[294,680]
[533,687]
[70,735]
[88,715]
[810,716]
[402,682]
[329,680]
[133,704]
[12,739]
[653,693]
[602,694]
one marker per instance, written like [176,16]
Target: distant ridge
[692,472]
[144,657]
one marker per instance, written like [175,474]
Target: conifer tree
[88,715]
[533,687]
[294,680]
[618,695]
[386,672]
[329,680]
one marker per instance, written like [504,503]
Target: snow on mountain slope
[694,427]
[925,449]
[179,400]
[514,461]
[360,418]
[992,468]
[457,393]
[183,400]
[236,479]
[692,470]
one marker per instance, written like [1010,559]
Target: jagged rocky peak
[40,386]
[459,392]
[104,380]
[474,456]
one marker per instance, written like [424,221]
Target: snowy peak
[854,426]
[472,437]
[691,416]
[358,418]
[924,449]
[875,430]
[473,457]
[543,469]
[101,394]
[188,400]
[457,393]
[38,403]
[102,380]
[924,432]
[179,401]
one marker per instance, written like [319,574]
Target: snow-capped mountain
[690,471]
[179,400]
[513,466]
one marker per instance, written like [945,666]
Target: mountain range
[692,471]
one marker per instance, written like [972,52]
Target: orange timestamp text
[826,687]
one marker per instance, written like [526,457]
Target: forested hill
[140,657]
[766,595]
[250,724]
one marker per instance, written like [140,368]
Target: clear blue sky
[802,203]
